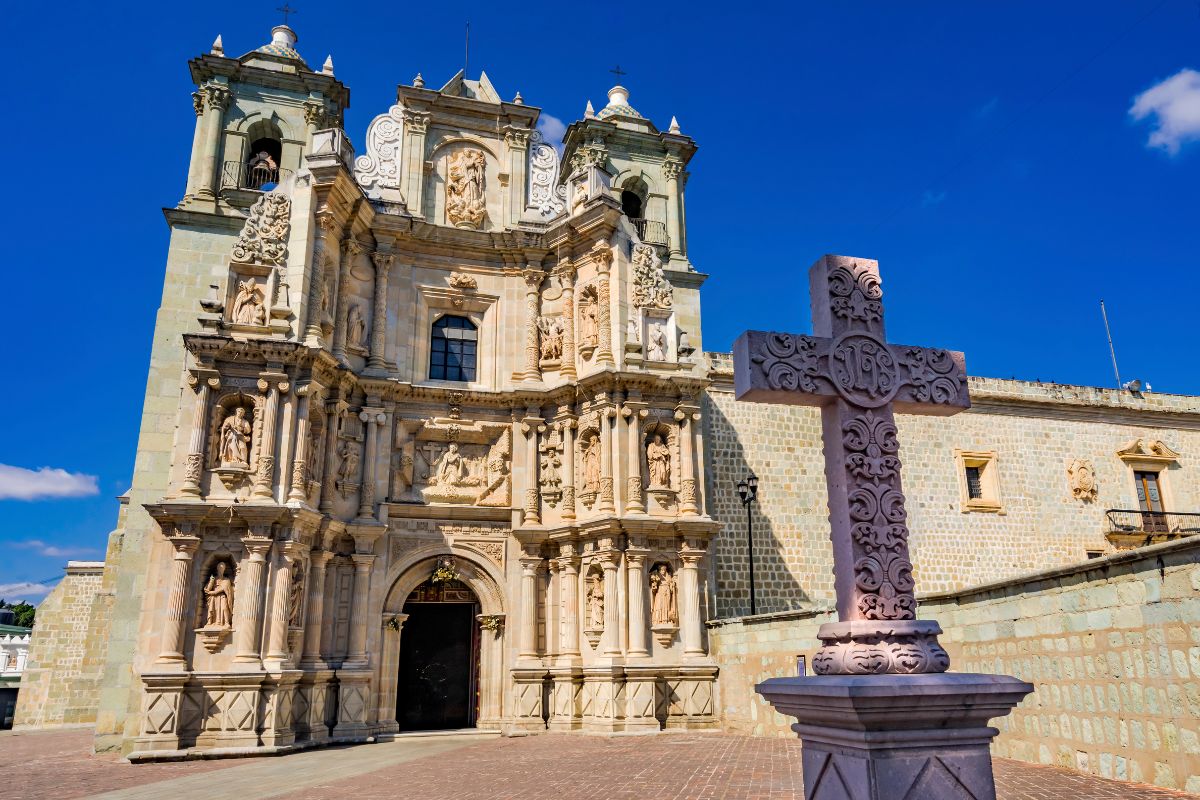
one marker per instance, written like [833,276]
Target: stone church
[430,440]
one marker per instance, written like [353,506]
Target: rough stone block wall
[60,684]
[1036,430]
[1112,645]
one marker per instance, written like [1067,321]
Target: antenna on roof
[467,50]
[1111,350]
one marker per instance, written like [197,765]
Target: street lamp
[748,491]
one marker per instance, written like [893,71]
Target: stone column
[527,635]
[569,587]
[351,249]
[378,359]
[181,574]
[517,141]
[567,275]
[603,257]
[333,416]
[389,673]
[607,502]
[248,602]
[634,502]
[203,382]
[672,169]
[416,123]
[635,567]
[532,426]
[689,603]
[315,608]
[277,649]
[357,656]
[688,494]
[326,226]
[373,417]
[553,609]
[197,144]
[533,281]
[568,476]
[314,118]
[271,384]
[216,97]
[299,492]
[610,642]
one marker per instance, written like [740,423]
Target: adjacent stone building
[430,440]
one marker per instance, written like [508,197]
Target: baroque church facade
[430,441]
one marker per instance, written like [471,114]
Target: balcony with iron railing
[258,177]
[1131,527]
[651,231]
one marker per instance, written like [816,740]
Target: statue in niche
[249,305]
[296,596]
[658,458]
[595,602]
[218,598]
[348,469]
[235,440]
[465,202]
[356,327]
[591,465]
[631,333]
[588,328]
[656,346]
[452,468]
[664,608]
[552,338]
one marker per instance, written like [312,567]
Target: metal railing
[259,177]
[651,231]
[1131,520]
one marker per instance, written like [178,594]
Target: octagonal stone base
[896,737]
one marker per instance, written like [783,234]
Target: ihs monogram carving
[263,239]
[378,170]
[1082,477]
[651,289]
[466,204]
[545,196]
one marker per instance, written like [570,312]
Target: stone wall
[1035,430]
[60,684]
[1112,645]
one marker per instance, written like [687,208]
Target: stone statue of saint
[235,439]
[595,601]
[218,599]
[452,468]
[588,330]
[656,347]
[356,327]
[591,465]
[664,609]
[248,308]
[552,338]
[465,202]
[658,458]
[348,469]
[296,596]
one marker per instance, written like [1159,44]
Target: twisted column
[603,256]
[248,603]
[264,476]
[568,478]
[315,607]
[635,567]
[533,280]
[378,359]
[181,573]
[203,384]
[567,274]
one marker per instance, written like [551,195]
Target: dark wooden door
[438,664]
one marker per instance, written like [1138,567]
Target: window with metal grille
[452,349]
[975,483]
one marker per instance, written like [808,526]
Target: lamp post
[748,491]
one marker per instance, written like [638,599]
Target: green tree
[23,613]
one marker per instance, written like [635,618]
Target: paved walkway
[58,765]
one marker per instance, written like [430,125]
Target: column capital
[602,256]
[257,546]
[185,546]
[202,377]
[216,95]
[636,558]
[383,261]
[319,558]
[530,564]
[362,561]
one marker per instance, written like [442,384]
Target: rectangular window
[979,481]
[974,483]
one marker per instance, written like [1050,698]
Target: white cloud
[16,592]
[1175,103]
[51,551]
[18,483]
[552,129]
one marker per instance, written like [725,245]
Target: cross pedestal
[880,720]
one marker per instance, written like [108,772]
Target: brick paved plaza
[58,765]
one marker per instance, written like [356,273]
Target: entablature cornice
[304,82]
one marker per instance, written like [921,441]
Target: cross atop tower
[286,9]
[618,71]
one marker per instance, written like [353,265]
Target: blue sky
[986,154]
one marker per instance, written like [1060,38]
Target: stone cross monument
[879,720]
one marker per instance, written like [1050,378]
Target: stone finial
[589,112]
[218,49]
[283,36]
[674,125]
[419,82]
[327,68]
[518,100]
[618,96]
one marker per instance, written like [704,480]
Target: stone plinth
[890,737]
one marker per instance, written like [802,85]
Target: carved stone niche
[664,603]
[660,454]
[233,438]
[589,460]
[550,468]
[459,462]
[589,321]
[248,299]
[214,608]
[659,338]
[593,605]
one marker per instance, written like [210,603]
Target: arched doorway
[438,676]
